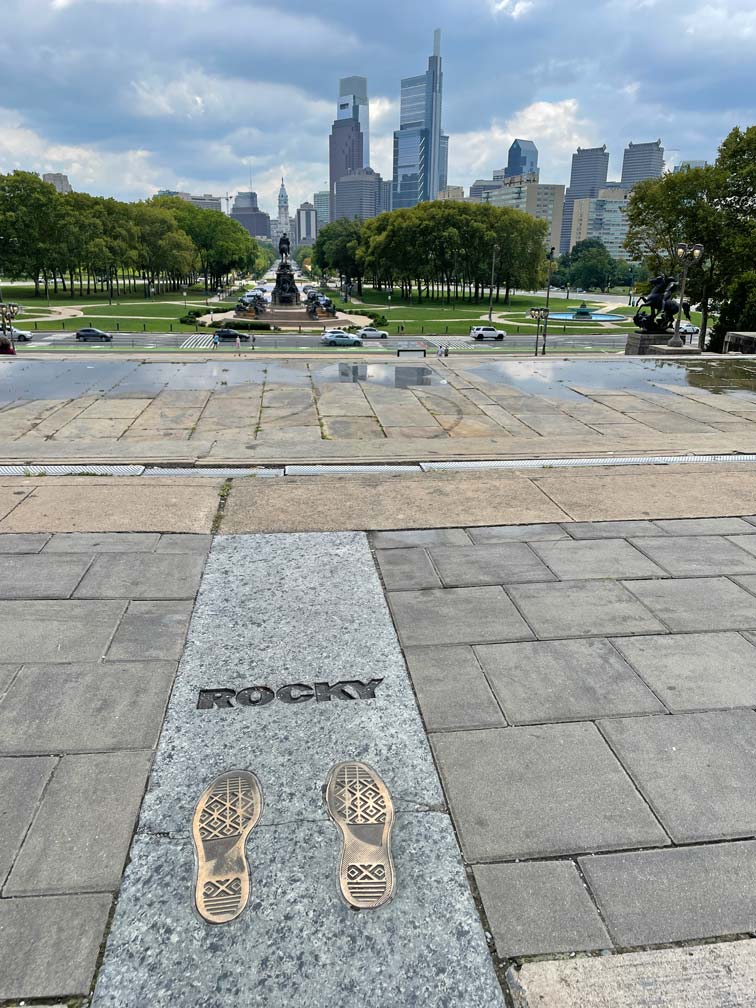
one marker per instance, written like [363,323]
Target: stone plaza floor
[564,713]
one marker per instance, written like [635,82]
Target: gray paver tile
[21,542]
[610,529]
[598,558]
[650,897]
[53,631]
[456,616]
[567,680]
[704,526]
[37,576]
[697,771]
[103,542]
[82,832]
[420,537]
[7,672]
[539,791]
[698,603]
[21,784]
[585,608]
[96,707]
[692,556]
[494,563]
[65,933]
[746,542]
[151,631]
[184,542]
[406,569]
[451,689]
[516,533]
[690,672]
[143,576]
[539,907]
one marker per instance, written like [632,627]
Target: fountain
[584,314]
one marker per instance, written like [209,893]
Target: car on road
[224,334]
[20,335]
[93,334]
[689,329]
[481,332]
[337,337]
[370,332]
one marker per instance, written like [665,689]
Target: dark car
[94,334]
[232,334]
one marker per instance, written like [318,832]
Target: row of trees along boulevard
[74,243]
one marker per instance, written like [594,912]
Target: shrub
[240,324]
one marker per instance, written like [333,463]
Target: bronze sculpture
[284,247]
[662,306]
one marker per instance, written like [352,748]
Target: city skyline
[194,117]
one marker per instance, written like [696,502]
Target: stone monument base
[664,350]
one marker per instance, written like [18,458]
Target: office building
[205,202]
[687,165]
[246,211]
[602,216]
[306,226]
[359,195]
[589,169]
[522,158]
[453,192]
[345,146]
[58,180]
[421,149]
[386,196]
[642,161]
[546,202]
[483,190]
[353,104]
[322,203]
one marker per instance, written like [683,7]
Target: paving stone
[698,603]
[17,542]
[610,530]
[690,672]
[649,897]
[184,542]
[22,782]
[420,537]
[307,950]
[516,533]
[53,631]
[151,631]
[451,689]
[539,907]
[697,771]
[65,933]
[456,616]
[540,791]
[82,832]
[37,576]
[143,576]
[691,556]
[706,976]
[7,674]
[494,563]
[404,569]
[704,526]
[569,680]
[600,558]
[103,542]
[85,707]
[353,428]
[584,608]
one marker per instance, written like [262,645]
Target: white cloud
[512,8]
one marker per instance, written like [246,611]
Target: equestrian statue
[284,247]
[657,310]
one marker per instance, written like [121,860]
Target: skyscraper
[306,230]
[322,203]
[59,180]
[522,159]
[345,144]
[589,168]
[353,104]
[360,194]
[246,211]
[421,151]
[642,161]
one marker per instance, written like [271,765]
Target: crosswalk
[198,341]
[453,342]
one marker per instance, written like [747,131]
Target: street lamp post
[490,292]
[7,314]
[686,254]
[540,315]
[630,289]
[549,264]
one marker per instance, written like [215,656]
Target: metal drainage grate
[607,460]
[71,470]
[217,473]
[329,470]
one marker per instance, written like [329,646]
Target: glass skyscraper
[421,150]
[522,159]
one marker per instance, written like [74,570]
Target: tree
[589,265]
[336,249]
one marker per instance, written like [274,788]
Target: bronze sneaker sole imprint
[360,804]
[225,813]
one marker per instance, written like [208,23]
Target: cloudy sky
[129,96]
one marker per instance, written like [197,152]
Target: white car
[20,335]
[689,329]
[370,332]
[481,332]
